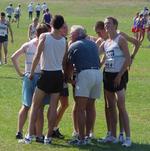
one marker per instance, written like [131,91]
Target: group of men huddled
[51,62]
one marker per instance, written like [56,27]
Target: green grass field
[85,12]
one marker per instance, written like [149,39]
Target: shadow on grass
[94,146]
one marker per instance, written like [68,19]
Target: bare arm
[134,41]
[11,33]
[37,56]
[124,47]
[15,57]
[99,41]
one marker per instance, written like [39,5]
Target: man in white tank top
[102,34]
[28,49]
[117,60]
[4,27]
[51,50]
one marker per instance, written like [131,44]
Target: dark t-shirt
[84,55]
[47,18]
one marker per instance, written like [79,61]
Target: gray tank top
[114,55]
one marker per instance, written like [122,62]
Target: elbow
[12,58]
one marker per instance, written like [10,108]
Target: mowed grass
[85,12]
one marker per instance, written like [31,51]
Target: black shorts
[30,13]
[17,16]
[3,38]
[51,81]
[9,16]
[108,79]
[37,13]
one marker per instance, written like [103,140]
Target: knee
[24,109]
[121,108]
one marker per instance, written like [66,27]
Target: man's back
[84,54]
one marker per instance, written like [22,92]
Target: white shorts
[88,83]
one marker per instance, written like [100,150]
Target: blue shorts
[28,89]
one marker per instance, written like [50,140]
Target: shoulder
[121,38]
[43,35]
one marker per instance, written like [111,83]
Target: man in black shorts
[4,27]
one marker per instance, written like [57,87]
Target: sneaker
[40,139]
[47,140]
[108,139]
[26,140]
[88,140]
[127,143]
[77,142]
[57,134]
[19,135]
[121,138]
[75,134]
[91,135]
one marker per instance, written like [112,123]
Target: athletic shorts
[137,30]
[17,16]
[28,89]
[3,39]
[50,81]
[9,16]
[133,29]
[37,13]
[88,83]
[108,79]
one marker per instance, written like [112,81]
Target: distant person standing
[4,27]
[38,10]
[9,11]
[30,10]
[47,17]
[44,7]
[17,14]
[32,29]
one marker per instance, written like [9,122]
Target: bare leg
[1,53]
[81,103]
[107,113]
[52,113]
[37,99]
[22,117]
[5,45]
[112,109]
[61,109]
[40,122]
[75,118]
[90,116]
[123,112]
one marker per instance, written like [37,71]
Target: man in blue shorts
[28,49]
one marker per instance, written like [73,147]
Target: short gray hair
[80,29]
